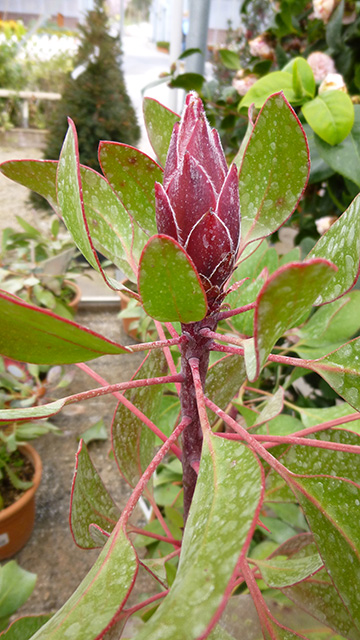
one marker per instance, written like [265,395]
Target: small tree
[96,99]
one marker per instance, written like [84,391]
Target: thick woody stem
[197,346]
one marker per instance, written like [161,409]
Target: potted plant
[239,473]
[41,268]
[20,465]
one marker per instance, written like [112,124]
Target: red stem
[156,536]
[167,353]
[291,362]
[146,603]
[234,312]
[320,444]
[157,344]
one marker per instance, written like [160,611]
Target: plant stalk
[197,346]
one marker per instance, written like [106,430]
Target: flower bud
[321,64]
[333,82]
[198,202]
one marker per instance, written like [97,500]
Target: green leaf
[319,597]
[189,52]
[223,380]
[71,202]
[310,416]
[24,628]
[334,322]
[32,413]
[169,284]
[159,122]
[35,335]
[330,115]
[344,158]
[266,86]
[273,406]
[230,59]
[229,483]
[274,170]
[279,573]
[303,78]
[188,81]
[108,582]
[90,502]
[97,431]
[330,505]
[38,175]
[16,586]
[132,441]
[341,370]
[109,223]
[291,289]
[132,175]
[341,245]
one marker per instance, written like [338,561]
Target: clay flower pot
[17,521]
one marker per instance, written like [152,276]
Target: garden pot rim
[31,453]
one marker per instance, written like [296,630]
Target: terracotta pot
[17,521]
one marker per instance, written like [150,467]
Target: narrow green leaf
[90,502]
[132,174]
[266,86]
[159,122]
[38,175]
[330,115]
[108,582]
[16,586]
[303,79]
[279,573]
[291,289]
[169,284]
[230,59]
[223,381]
[229,483]
[341,245]
[71,202]
[32,413]
[132,441]
[341,370]
[35,335]
[274,170]
[24,628]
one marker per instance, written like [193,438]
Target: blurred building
[66,13]
[223,14]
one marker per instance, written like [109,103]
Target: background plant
[40,267]
[249,455]
[282,36]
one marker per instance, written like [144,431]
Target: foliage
[39,267]
[16,586]
[255,491]
[271,49]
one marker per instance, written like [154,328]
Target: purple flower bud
[198,203]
